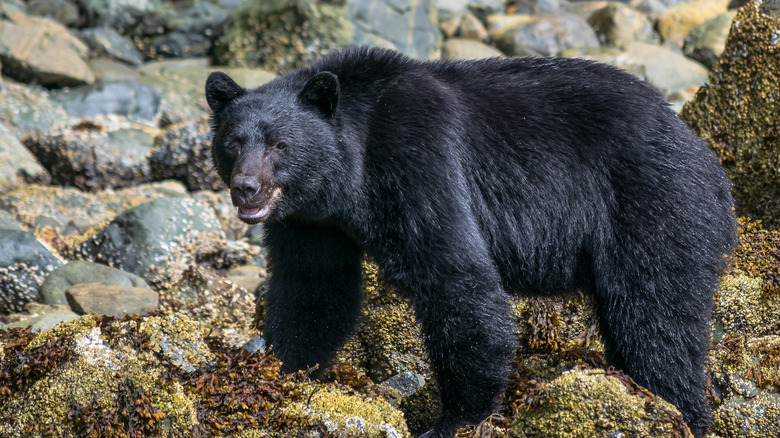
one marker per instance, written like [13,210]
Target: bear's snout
[243,190]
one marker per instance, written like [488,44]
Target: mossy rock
[748,300]
[157,376]
[737,112]
[586,402]
[389,338]
[283,35]
[746,380]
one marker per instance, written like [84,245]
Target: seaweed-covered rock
[283,35]
[220,307]
[388,340]
[737,112]
[158,377]
[24,263]
[91,159]
[183,152]
[553,398]
[748,300]
[556,324]
[746,378]
[157,240]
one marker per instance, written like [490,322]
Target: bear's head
[277,146]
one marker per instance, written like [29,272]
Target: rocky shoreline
[109,209]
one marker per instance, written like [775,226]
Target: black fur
[466,180]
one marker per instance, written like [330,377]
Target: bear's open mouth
[253,213]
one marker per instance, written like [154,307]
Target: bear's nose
[243,189]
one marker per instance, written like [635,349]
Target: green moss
[737,113]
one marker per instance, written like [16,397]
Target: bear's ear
[322,91]
[221,89]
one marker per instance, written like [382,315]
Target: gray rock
[668,71]
[9,222]
[409,25]
[181,83]
[12,7]
[62,11]
[248,277]
[28,111]
[42,51]
[618,25]
[109,70]
[471,28]
[104,41]
[17,164]
[706,41]
[407,382]
[53,289]
[184,153]
[254,344]
[451,9]
[457,48]
[94,160]
[128,98]
[157,240]
[179,45]
[122,15]
[24,263]
[534,7]
[111,299]
[40,317]
[547,35]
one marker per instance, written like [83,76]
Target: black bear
[467,180]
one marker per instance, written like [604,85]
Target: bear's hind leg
[655,328]
[314,292]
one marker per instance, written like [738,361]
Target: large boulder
[42,51]
[157,240]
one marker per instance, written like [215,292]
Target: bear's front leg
[469,334]
[314,292]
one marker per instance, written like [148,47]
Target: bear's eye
[232,146]
[280,146]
